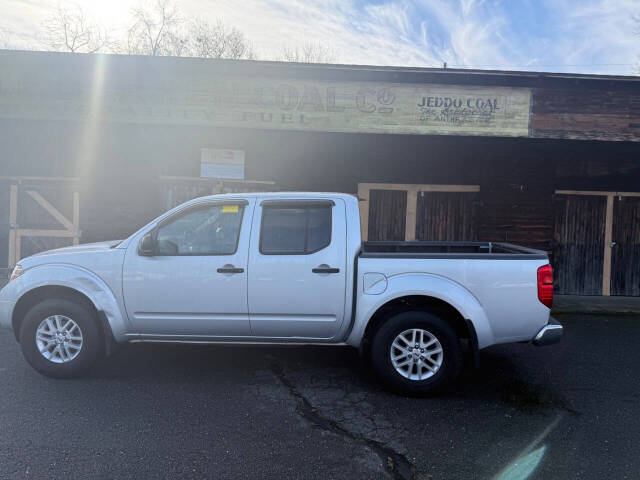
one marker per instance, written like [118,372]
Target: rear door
[297,268]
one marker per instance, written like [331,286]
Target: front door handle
[228,268]
[324,268]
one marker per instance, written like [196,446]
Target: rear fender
[427,285]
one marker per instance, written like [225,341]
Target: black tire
[436,326]
[91,338]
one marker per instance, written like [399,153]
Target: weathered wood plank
[608,233]
[583,114]
[13,216]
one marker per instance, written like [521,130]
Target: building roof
[330,71]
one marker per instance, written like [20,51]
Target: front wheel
[60,338]
[416,352]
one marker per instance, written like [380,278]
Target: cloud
[551,35]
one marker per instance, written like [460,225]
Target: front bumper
[549,334]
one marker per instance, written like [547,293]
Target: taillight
[545,285]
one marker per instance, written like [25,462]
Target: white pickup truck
[280,268]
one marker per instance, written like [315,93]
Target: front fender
[428,285]
[70,276]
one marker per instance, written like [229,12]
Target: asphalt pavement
[162,411]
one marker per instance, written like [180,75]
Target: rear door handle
[324,268]
[230,269]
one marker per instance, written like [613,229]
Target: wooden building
[93,146]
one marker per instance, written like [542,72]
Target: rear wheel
[60,338]
[416,353]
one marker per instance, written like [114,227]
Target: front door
[195,283]
[297,268]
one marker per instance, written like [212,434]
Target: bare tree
[70,30]
[217,41]
[308,53]
[157,30]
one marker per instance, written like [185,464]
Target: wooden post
[18,246]
[76,217]
[608,238]
[13,217]
[363,199]
[410,221]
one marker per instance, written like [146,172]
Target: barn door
[387,217]
[625,246]
[42,215]
[578,250]
[445,216]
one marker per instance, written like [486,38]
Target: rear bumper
[549,334]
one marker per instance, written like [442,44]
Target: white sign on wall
[222,163]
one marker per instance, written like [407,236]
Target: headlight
[17,271]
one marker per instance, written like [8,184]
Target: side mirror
[147,245]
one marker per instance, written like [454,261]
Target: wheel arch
[418,302]
[450,300]
[72,283]
[46,292]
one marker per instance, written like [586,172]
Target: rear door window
[292,230]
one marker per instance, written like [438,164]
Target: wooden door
[625,251]
[445,216]
[578,250]
[387,215]
[4,230]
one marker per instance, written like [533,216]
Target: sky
[581,36]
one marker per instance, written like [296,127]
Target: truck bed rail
[469,250]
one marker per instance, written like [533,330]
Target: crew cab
[280,268]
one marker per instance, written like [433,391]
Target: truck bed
[468,250]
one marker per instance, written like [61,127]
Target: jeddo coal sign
[284,103]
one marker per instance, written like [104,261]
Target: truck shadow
[504,376]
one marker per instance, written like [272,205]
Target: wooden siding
[584,114]
[625,258]
[387,214]
[445,216]
[515,203]
[177,190]
[578,250]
